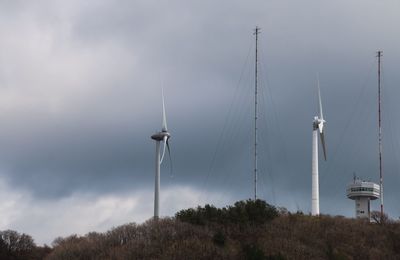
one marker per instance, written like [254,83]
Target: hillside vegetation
[247,230]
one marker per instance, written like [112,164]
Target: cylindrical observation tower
[362,192]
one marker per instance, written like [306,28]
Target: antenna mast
[256,32]
[379,55]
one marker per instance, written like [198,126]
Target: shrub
[219,238]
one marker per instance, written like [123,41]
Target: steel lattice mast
[379,55]
[256,32]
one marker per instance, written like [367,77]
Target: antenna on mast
[256,32]
[379,55]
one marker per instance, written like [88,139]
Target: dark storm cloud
[81,95]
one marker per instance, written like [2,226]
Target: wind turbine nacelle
[318,122]
[160,136]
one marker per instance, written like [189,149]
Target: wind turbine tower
[159,137]
[318,128]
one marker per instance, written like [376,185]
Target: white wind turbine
[162,136]
[318,126]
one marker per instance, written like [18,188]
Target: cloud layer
[81,212]
[80,96]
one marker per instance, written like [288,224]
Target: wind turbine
[159,137]
[318,127]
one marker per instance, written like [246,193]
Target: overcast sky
[80,96]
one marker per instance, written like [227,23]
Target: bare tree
[377,217]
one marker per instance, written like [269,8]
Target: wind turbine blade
[319,99]
[321,135]
[170,158]
[164,122]
[165,144]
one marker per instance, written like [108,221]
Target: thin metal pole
[256,32]
[380,132]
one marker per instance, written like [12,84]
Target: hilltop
[246,230]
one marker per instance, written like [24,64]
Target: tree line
[251,229]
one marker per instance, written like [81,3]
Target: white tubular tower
[157,182]
[159,137]
[315,177]
[318,127]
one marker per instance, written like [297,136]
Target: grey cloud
[78,111]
